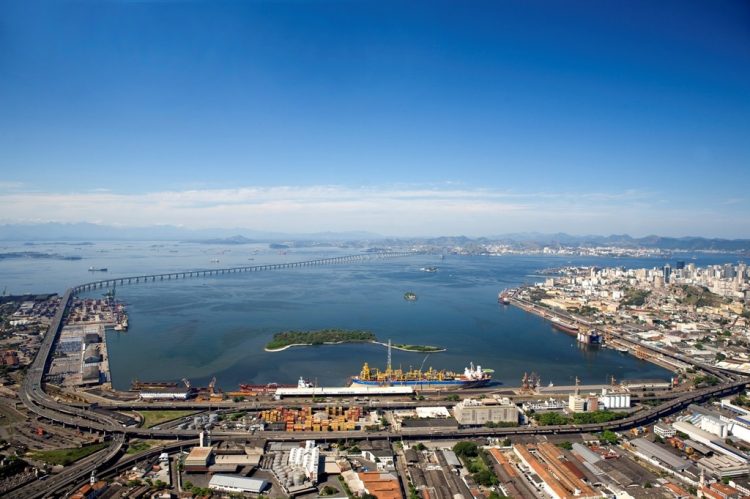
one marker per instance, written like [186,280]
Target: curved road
[39,402]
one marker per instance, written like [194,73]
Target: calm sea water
[217,326]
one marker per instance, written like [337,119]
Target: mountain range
[95,232]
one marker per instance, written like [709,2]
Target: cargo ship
[564,326]
[136,385]
[503,297]
[431,379]
[267,388]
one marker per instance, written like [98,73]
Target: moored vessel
[431,379]
[136,385]
[564,326]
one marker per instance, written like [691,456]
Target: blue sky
[400,118]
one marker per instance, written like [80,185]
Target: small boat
[97,269]
[429,269]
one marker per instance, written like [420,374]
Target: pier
[120,281]
[672,361]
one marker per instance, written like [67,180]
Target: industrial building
[723,466]
[378,452]
[614,399]
[659,455]
[240,484]
[169,393]
[664,430]
[472,412]
[560,477]
[306,458]
[295,467]
[710,440]
[198,460]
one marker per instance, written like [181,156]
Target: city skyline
[404,120]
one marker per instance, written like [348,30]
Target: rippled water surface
[198,328]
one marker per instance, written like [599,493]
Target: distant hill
[531,240]
[95,232]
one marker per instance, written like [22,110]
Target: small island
[287,339]
[417,348]
[410,296]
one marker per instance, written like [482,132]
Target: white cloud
[401,210]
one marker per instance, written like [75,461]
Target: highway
[73,474]
[39,402]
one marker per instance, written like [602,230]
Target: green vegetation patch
[634,297]
[153,418]
[319,337]
[597,417]
[139,446]
[699,297]
[706,380]
[538,294]
[608,437]
[554,418]
[551,419]
[65,457]
[476,462]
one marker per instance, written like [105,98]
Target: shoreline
[375,342]
[547,315]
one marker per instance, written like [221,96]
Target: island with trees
[287,339]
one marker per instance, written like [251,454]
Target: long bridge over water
[107,283]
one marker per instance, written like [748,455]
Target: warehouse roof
[659,453]
[237,482]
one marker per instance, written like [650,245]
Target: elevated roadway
[119,281]
[72,474]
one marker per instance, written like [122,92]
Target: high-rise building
[667,273]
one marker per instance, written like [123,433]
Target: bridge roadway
[105,283]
